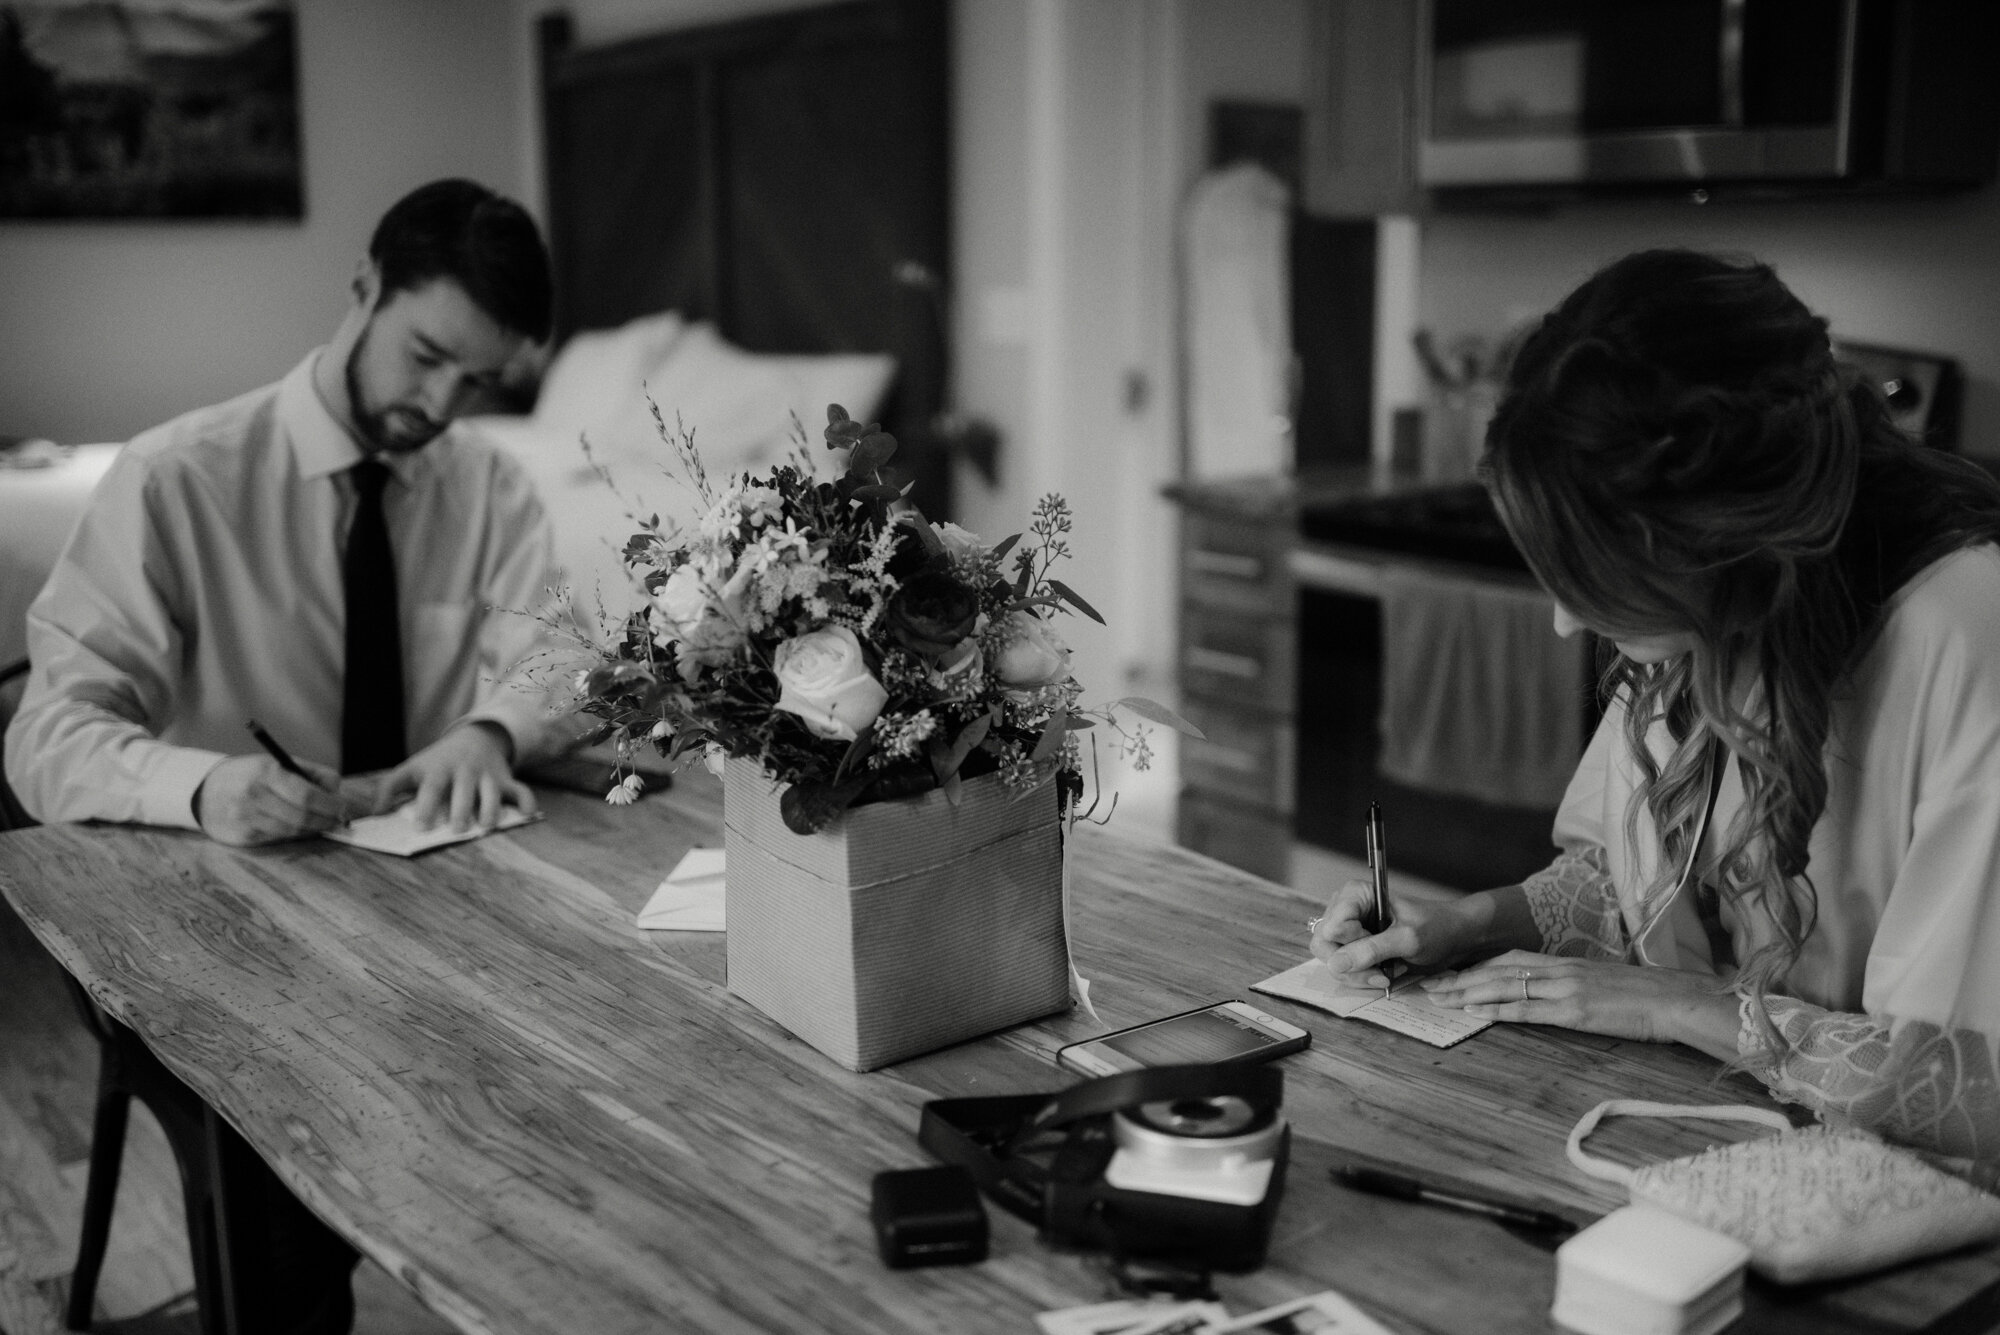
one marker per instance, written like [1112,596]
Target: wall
[1078,130]
[109,328]
[1921,273]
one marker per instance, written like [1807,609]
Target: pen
[1378,864]
[279,753]
[1380,1183]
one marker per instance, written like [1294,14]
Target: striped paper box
[902,927]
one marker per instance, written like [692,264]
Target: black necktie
[371,719]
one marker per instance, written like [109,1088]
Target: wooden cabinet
[1363,107]
[1238,672]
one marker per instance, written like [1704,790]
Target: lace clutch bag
[1809,1204]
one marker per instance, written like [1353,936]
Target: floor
[48,1072]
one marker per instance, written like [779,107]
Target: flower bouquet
[853,651]
[898,729]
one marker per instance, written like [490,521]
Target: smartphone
[1228,1031]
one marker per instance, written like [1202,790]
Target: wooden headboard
[785,176]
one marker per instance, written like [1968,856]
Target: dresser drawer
[1245,659]
[1237,565]
[1243,756]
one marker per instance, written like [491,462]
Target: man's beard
[380,427]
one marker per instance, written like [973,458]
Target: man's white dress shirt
[202,588]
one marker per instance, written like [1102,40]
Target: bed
[749,219]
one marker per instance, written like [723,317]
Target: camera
[1219,1148]
[1180,1164]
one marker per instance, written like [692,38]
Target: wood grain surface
[543,1119]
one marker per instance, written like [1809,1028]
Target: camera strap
[985,1135]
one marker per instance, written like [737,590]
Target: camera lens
[1223,1115]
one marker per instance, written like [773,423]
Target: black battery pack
[928,1216]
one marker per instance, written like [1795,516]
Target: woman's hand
[1422,933]
[1596,996]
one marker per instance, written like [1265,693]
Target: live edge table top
[543,1119]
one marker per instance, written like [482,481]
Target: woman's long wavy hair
[1677,451]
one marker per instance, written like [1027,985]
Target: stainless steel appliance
[1617,95]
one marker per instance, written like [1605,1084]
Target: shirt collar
[321,446]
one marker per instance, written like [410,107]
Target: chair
[126,1070]
[13,678]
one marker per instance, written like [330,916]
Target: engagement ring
[1524,987]
[1312,926]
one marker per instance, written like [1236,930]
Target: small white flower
[712,759]
[626,791]
[659,730]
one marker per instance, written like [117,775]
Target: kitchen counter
[1343,526]
[1280,665]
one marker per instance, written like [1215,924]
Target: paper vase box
[902,927]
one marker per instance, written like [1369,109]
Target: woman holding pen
[1782,846]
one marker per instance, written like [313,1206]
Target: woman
[1782,846]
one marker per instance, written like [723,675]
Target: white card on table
[1324,1313]
[398,833]
[692,898]
[1407,1012]
[1134,1316]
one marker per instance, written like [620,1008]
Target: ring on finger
[1312,926]
[1524,985]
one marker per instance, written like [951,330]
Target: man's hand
[253,800]
[464,776]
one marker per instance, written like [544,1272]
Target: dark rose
[931,613]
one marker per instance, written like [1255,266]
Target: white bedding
[739,404]
[38,508]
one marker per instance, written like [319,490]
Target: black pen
[1378,864]
[1380,1183]
[280,754]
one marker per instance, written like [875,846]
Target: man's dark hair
[484,242]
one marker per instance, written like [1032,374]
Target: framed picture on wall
[149,109]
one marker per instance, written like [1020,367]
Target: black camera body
[1178,1164]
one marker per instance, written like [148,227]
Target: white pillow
[593,383]
[740,404]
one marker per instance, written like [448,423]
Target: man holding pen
[324,555]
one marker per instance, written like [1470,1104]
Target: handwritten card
[1324,1313]
[398,831]
[1407,1012]
[692,898]
[1134,1316]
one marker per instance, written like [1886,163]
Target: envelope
[691,898]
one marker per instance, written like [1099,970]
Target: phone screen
[1189,1040]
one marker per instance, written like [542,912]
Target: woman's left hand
[1596,996]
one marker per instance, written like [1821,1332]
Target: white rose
[823,678]
[1031,654]
[682,599]
[958,541]
[706,620]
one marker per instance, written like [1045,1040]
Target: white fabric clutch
[1810,1204]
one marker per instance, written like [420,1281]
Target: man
[320,555]
[323,556]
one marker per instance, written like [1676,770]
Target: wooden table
[540,1118]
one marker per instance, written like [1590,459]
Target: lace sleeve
[1913,1082]
[1576,907]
